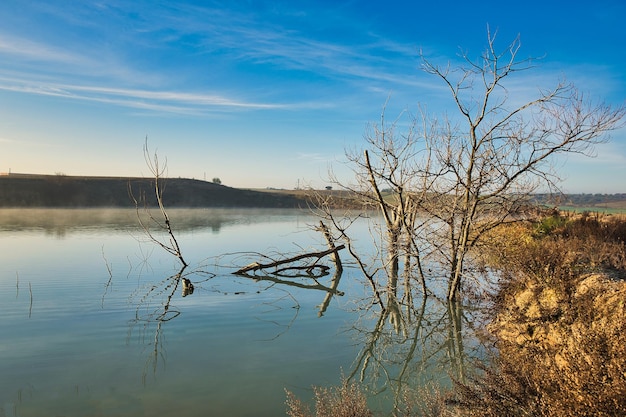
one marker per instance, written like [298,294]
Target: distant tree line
[582,199]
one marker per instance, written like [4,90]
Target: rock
[565,329]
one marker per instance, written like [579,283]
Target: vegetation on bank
[557,319]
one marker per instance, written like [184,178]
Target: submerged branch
[256,266]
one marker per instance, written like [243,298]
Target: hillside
[25,190]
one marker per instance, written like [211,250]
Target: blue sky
[271,93]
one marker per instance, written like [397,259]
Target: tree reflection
[155,307]
[300,272]
[406,346]
[408,339]
[411,331]
[156,301]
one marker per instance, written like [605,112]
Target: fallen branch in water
[257,266]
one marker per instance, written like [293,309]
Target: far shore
[63,191]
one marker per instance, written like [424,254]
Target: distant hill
[26,190]
[585,201]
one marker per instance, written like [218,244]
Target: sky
[273,93]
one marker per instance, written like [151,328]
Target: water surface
[94,323]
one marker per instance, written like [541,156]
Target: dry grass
[556,250]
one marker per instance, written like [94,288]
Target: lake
[95,322]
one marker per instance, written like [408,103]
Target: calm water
[82,291]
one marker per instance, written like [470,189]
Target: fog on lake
[98,322]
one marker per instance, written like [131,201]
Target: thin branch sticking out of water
[30,309]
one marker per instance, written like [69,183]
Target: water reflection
[155,300]
[409,338]
[155,307]
[414,341]
[408,346]
[303,270]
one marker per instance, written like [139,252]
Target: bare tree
[162,223]
[441,183]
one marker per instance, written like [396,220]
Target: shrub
[346,400]
[549,224]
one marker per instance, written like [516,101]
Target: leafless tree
[441,183]
[161,223]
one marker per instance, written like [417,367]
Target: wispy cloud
[366,61]
[16,47]
[163,58]
[260,39]
[216,39]
[163,101]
